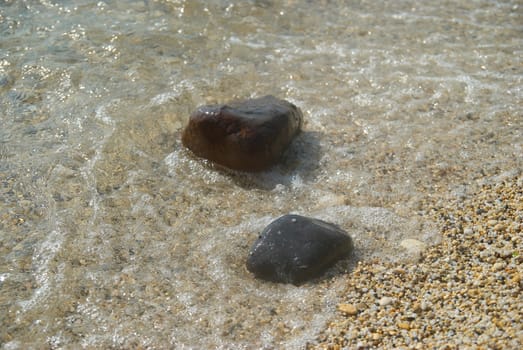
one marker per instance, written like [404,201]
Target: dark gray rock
[249,135]
[294,248]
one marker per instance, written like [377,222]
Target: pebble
[404,325]
[348,309]
[385,301]
[498,266]
[249,135]
[294,249]
[465,292]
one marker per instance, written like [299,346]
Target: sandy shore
[464,293]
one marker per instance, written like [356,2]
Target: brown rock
[249,135]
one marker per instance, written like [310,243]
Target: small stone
[505,253]
[248,135]
[385,301]
[404,325]
[498,266]
[348,309]
[499,227]
[361,306]
[468,231]
[516,278]
[417,307]
[294,248]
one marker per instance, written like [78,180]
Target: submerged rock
[294,248]
[249,135]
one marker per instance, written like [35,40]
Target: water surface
[113,235]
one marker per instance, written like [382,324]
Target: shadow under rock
[300,162]
[342,269]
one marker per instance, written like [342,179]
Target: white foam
[102,114]
[4,276]
[44,254]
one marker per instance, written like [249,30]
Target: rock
[249,135]
[293,249]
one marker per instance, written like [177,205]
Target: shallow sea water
[114,236]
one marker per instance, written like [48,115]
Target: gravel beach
[464,293]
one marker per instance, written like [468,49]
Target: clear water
[112,235]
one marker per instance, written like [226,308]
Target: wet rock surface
[249,135]
[294,249]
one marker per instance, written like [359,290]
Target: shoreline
[464,292]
